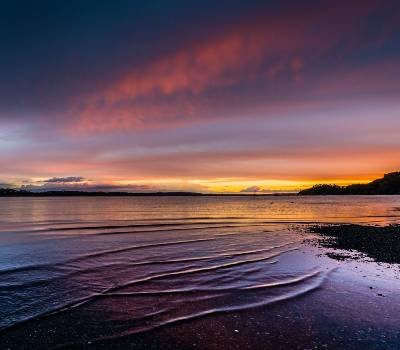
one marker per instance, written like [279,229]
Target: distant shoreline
[388,185]
[19,193]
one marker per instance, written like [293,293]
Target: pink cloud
[172,89]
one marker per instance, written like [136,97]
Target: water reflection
[127,265]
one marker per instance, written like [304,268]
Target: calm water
[129,265]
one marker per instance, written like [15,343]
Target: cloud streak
[65,180]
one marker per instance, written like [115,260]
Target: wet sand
[357,307]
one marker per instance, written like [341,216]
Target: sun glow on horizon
[237,185]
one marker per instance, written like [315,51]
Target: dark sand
[382,244]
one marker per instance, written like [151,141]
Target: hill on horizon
[388,185]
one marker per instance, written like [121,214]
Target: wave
[113,227]
[314,280]
[100,268]
[182,272]
[97,254]
[217,289]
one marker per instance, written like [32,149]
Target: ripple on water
[159,274]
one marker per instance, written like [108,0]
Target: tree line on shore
[388,185]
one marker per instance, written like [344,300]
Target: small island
[388,185]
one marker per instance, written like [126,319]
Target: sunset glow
[214,97]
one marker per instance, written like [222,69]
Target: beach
[193,273]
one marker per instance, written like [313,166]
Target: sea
[78,271]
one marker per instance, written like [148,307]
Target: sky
[203,95]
